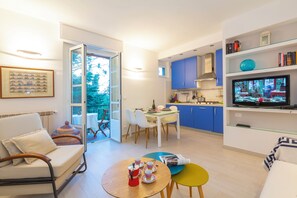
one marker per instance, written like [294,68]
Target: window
[162,71]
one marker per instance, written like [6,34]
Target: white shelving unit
[266,124]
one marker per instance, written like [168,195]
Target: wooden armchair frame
[43,180]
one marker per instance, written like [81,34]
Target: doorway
[98,97]
[95,94]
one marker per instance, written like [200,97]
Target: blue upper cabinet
[219,67]
[190,72]
[178,74]
[184,73]
[218,119]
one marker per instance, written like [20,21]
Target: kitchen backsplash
[207,89]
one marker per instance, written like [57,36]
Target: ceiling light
[28,53]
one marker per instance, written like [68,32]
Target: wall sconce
[27,53]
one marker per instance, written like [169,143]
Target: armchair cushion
[11,127]
[12,150]
[37,142]
[61,159]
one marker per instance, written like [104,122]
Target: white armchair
[49,172]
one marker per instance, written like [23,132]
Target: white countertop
[194,104]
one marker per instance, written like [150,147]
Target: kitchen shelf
[275,46]
[260,71]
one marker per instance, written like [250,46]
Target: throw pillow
[37,142]
[12,150]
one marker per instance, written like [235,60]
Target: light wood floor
[232,174]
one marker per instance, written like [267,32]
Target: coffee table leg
[168,190]
[162,194]
[171,188]
[190,191]
[200,191]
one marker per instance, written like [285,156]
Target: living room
[234,162]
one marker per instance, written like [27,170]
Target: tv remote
[243,125]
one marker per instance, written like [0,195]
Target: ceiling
[155,25]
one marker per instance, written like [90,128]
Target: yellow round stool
[192,176]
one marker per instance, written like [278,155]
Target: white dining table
[92,120]
[164,114]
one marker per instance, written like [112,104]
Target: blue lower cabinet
[218,119]
[203,118]
[185,114]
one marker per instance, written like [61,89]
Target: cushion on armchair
[12,150]
[14,126]
[36,142]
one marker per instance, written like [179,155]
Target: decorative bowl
[247,65]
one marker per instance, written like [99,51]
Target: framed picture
[265,38]
[17,82]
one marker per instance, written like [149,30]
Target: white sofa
[48,174]
[281,181]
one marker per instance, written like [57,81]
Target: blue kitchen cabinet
[185,115]
[219,67]
[184,73]
[178,74]
[218,119]
[190,72]
[203,118]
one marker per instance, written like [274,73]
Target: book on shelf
[174,160]
[287,59]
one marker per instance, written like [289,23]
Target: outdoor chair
[102,124]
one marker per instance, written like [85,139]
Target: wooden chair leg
[163,128]
[177,186]
[128,131]
[167,131]
[148,133]
[200,192]
[147,137]
[190,191]
[137,134]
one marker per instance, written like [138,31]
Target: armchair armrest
[27,155]
[69,136]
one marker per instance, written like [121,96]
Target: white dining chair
[143,123]
[130,117]
[170,120]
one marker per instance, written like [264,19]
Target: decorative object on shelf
[17,82]
[236,46]
[265,38]
[247,65]
[233,47]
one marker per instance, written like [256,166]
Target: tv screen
[265,91]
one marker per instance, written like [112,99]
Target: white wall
[140,88]
[26,33]
[273,13]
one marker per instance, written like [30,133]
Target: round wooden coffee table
[115,180]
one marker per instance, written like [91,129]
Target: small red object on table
[133,175]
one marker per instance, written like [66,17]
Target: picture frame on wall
[265,38]
[18,82]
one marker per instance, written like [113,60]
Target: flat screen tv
[265,91]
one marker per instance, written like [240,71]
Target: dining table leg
[178,126]
[171,188]
[159,131]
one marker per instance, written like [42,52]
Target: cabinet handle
[191,109]
[203,108]
[215,111]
